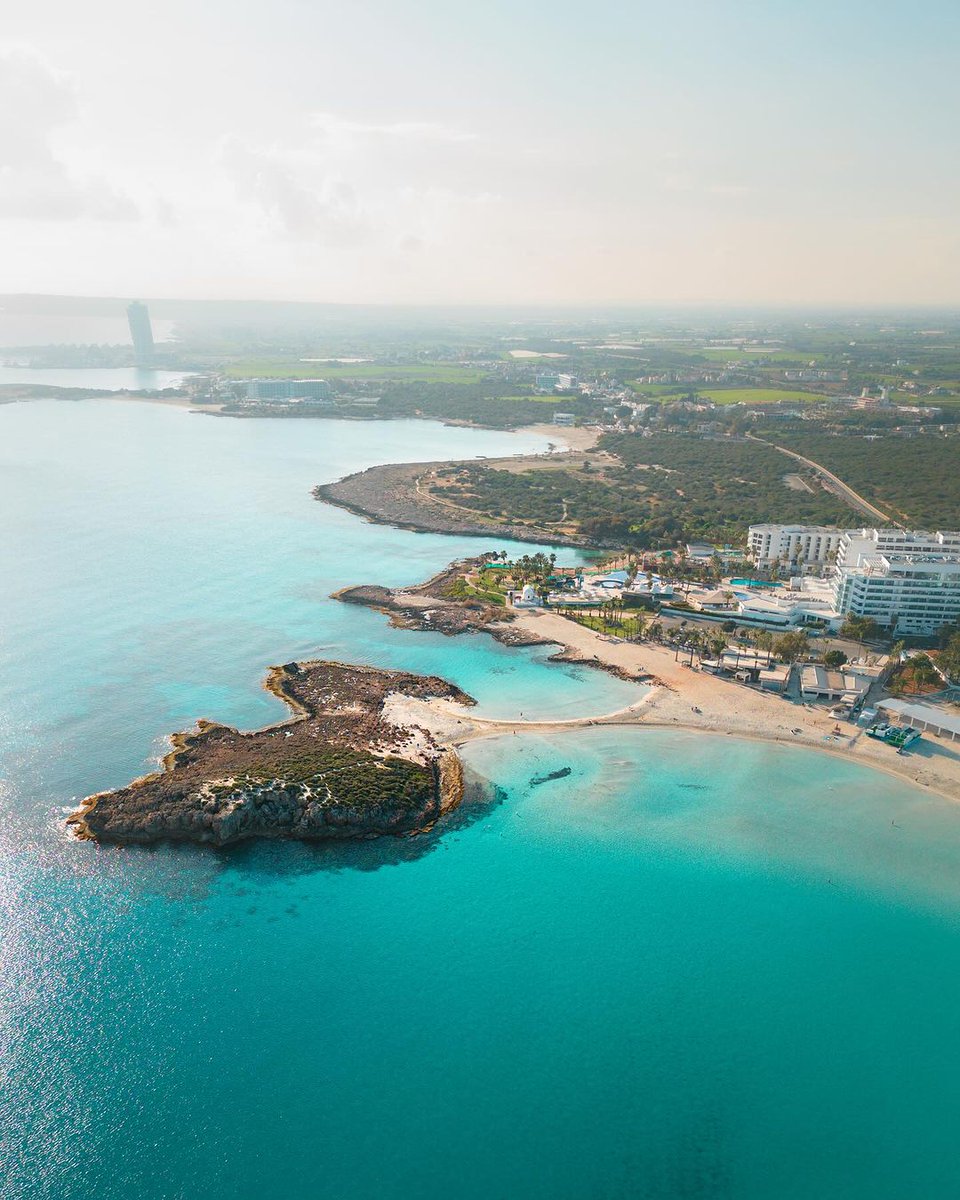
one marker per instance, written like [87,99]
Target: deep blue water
[694,967]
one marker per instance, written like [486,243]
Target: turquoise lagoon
[692,967]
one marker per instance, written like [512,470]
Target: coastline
[692,700]
[336,768]
[399,494]
[392,494]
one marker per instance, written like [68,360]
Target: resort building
[791,543]
[804,601]
[908,582]
[749,668]
[653,588]
[819,683]
[562,418]
[288,389]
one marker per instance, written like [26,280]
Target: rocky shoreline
[390,495]
[430,607]
[336,769]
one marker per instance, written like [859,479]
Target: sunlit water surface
[691,967]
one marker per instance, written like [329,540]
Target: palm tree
[763,640]
[718,644]
[923,671]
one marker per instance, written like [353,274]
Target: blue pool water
[692,967]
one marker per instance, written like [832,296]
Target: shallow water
[692,967]
[105,379]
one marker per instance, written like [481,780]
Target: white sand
[725,707]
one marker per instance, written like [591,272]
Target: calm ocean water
[693,967]
[106,379]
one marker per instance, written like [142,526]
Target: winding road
[837,485]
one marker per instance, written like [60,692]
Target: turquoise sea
[693,967]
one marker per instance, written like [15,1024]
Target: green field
[756,358]
[429,372]
[757,396]
[660,389]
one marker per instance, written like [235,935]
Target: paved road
[844,490]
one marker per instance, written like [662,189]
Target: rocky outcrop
[392,494]
[434,607]
[336,770]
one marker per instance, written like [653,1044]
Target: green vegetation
[354,777]
[280,369]
[658,490]
[756,357]
[916,676]
[461,590]
[917,479]
[790,646]
[715,487]
[949,657]
[860,629]
[758,396]
[494,403]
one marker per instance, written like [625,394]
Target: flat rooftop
[924,714]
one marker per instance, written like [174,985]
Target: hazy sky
[782,150]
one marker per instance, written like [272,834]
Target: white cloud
[729,189]
[296,192]
[334,127]
[36,102]
[347,184]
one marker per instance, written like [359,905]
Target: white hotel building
[788,543]
[909,582]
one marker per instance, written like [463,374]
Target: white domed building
[527,597]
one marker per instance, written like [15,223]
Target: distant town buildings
[141,333]
[815,375]
[288,389]
[552,381]
[867,399]
[793,543]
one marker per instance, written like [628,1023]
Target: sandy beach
[565,437]
[685,698]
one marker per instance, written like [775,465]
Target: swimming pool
[754,583]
